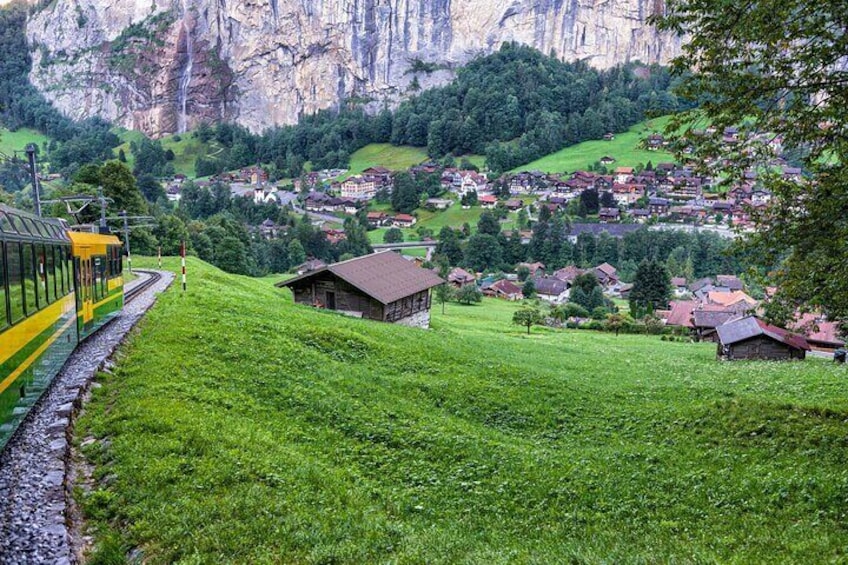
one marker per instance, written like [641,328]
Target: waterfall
[185,74]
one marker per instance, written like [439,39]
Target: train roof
[88,238]
[17,225]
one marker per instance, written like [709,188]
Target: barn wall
[762,347]
[314,292]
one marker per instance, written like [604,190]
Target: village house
[334,236]
[381,176]
[535,269]
[268,229]
[382,286]
[552,289]
[504,289]
[607,160]
[404,221]
[459,278]
[654,142]
[487,201]
[606,215]
[472,182]
[358,187]
[752,338]
[731,282]
[607,275]
[568,274]
[706,320]
[628,193]
[678,284]
[253,175]
[658,206]
[821,334]
[376,219]
[439,203]
[623,174]
[514,205]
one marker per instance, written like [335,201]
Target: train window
[4,320]
[15,272]
[29,226]
[97,268]
[69,270]
[50,272]
[57,269]
[104,276]
[30,286]
[6,223]
[18,224]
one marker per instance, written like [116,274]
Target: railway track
[152,278]
[36,475]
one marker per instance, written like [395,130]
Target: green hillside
[11,141]
[239,428]
[625,149]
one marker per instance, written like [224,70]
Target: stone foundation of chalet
[417,320]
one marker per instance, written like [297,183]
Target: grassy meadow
[240,428]
[11,141]
[625,149]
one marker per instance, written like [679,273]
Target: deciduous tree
[775,69]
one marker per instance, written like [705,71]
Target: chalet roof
[387,277]
[700,283]
[818,329]
[730,281]
[404,218]
[678,281]
[708,319]
[730,298]
[568,273]
[681,313]
[460,275]
[506,287]
[550,285]
[606,269]
[751,326]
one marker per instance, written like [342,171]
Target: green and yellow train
[57,287]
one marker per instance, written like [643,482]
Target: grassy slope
[386,155]
[11,141]
[624,148]
[244,429]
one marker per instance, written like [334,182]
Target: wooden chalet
[382,286]
[503,289]
[752,338]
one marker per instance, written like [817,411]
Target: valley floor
[241,428]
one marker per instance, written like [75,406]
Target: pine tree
[651,287]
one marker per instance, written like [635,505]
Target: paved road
[318,216]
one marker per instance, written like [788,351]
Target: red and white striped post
[182,256]
[159,257]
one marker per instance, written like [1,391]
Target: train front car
[37,311]
[98,264]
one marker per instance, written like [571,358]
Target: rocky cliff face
[162,66]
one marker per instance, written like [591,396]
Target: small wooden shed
[752,338]
[382,286]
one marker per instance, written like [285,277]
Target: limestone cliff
[163,65]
